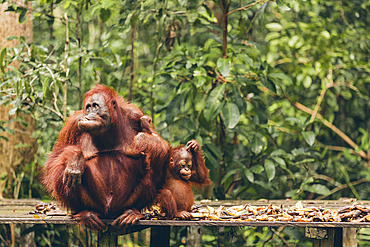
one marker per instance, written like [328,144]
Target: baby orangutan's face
[184,164]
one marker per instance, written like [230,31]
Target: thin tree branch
[56,112]
[246,7]
[322,95]
[225,6]
[341,187]
[324,121]
[277,233]
[332,127]
[348,181]
[338,148]
[251,23]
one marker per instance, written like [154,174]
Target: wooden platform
[17,212]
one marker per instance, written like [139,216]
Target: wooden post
[349,237]
[322,237]
[160,236]
[325,237]
[221,236]
[194,236]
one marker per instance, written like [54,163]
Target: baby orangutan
[186,169]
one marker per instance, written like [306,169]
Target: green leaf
[182,2]
[224,66]
[270,169]
[105,14]
[278,152]
[228,178]
[22,16]
[257,169]
[238,99]
[257,143]
[209,43]
[325,34]
[304,161]
[281,3]
[45,88]
[214,102]
[231,115]
[291,193]
[210,159]
[307,81]
[8,129]
[2,60]
[249,175]
[318,189]
[174,107]
[272,36]
[200,75]
[202,11]
[279,161]
[274,26]
[276,77]
[309,137]
[245,59]
[22,145]
[268,83]
[214,150]
[12,37]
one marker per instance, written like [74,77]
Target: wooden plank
[252,223]
[68,221]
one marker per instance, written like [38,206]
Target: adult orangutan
[98,167]
[186,169]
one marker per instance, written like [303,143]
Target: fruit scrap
[296,213]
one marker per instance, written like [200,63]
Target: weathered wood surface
[15,212]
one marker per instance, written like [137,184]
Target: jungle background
[276,92]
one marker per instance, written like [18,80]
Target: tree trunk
[10,156]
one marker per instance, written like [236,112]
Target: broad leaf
[318,189]
[270,169]
[238,99]
[257,169]
[214,102]
[173,107]
[249,175]
[274,26]
[224,66]
[230,113]
[257,143]
[279,161]
[309,137]
[275,77]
